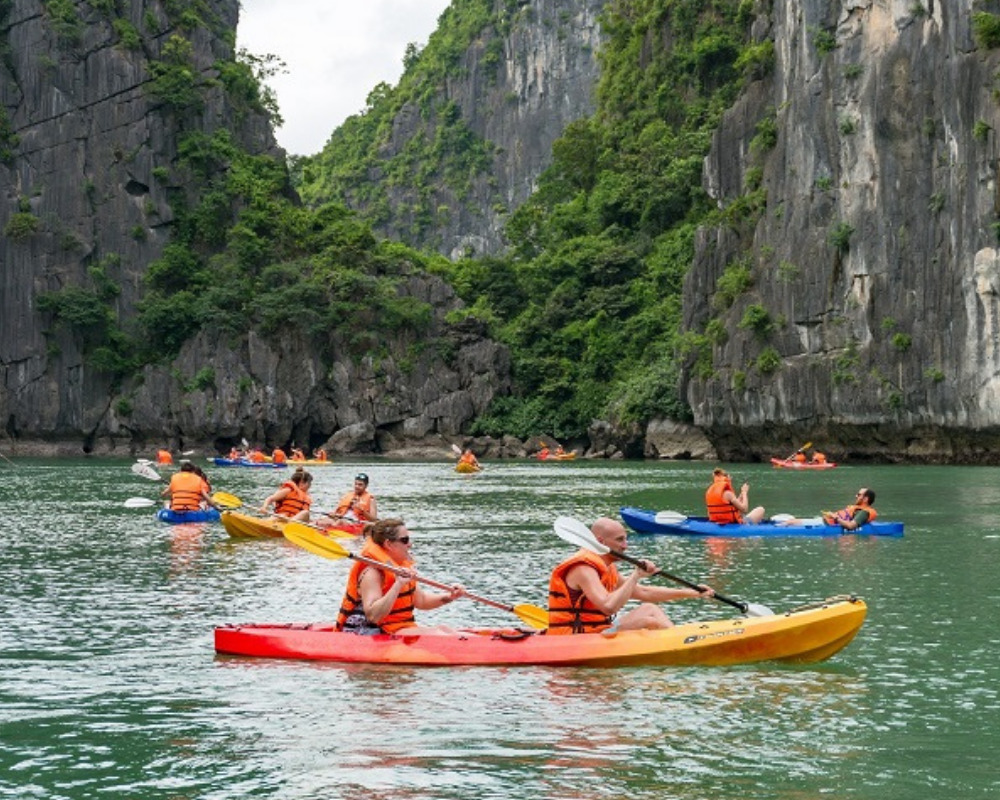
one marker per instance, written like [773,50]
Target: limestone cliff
[88,174]
[858,303]
[528,73]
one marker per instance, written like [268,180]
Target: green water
[109,686]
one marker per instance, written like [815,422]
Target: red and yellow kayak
[803,635]
[784,463]
[244,526]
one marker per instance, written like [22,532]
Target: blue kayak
[643,521]
[180,517]
[242,462]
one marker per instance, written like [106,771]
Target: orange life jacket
[164,457]
[360,505]
[871,512]
[468,458]
[401,614]
[185,491]
[278,456]
[569,609]
[296,500]
[819,458]
[720,510]
[800,457]
[320,455]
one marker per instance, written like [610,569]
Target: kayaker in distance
[292,500]
[319,454]
[468,457]
[163,456]
[586,590]
[725,507]
[380,601]
[358,504]
[855,515]
[278,456]
[187,490]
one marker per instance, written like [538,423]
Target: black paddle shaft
[720,597]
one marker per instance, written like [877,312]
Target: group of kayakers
[278,455]
[726,507]
[293,501]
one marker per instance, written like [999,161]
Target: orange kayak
[805,634]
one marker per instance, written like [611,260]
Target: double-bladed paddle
[575,532]
[802,449]
[221,499]
[308,539]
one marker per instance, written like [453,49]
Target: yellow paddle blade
[227,500]
[315,542]
[537,618]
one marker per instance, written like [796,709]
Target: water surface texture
[110,688]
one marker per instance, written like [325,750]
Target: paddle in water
[308,539]
[575,532]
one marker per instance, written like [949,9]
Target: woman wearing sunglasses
[380,601]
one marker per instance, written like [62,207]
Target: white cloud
[335,51]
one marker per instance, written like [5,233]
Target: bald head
[609,532]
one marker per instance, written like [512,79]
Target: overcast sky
[335,51]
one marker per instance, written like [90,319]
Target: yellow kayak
[243,526]
[466,468]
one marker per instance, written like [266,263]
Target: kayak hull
[782,463]
[242,462]
[245,526]
[644,521]
[803,635]
[184,517]
[466,469]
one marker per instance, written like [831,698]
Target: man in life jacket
[358,504]
[381,600]
[163,457]
[292,500]
[187,490]
[725,507]
[278,456]
[468,457]
[586,590]
[855,515]
[818,457]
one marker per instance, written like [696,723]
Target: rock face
[871,321]
[520,103]
[84,146]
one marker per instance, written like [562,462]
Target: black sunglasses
[403,539]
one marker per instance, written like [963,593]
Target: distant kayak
[467,469]
[242,462]
[784,463]
[180,517]
[644,521]
[805,634]
[557,457]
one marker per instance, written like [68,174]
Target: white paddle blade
[145,471]
[139,502]
[456,449]
[669,517]
[575,532]
[758,610]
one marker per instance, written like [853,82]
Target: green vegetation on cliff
[589,297]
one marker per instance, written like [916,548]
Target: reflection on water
[110,686]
